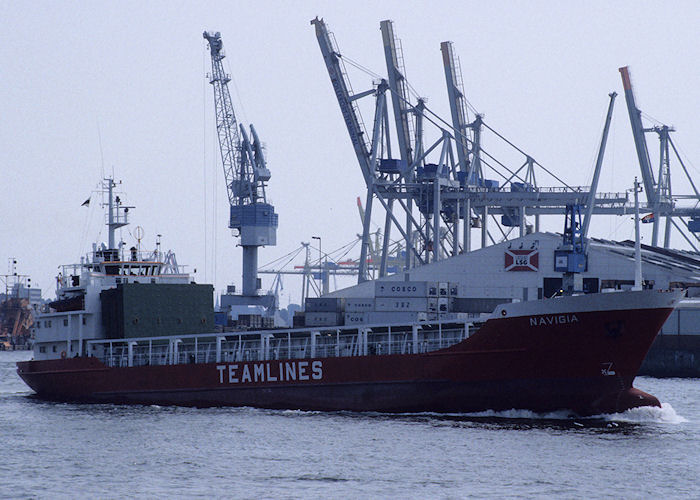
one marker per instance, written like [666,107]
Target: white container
[359,305]
[401,289]
[322,319]
[355,318]
[410,304]
[324,304]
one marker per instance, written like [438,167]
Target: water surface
[62,450]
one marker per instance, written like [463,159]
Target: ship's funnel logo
[522,260]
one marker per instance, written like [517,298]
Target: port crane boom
[640,142]
[661,200]
[342,90]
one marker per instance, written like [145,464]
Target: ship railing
[279,344]
[102,255]
[68,276]
[70,269]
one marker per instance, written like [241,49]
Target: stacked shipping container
[393,302]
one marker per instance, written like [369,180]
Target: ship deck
[326,342]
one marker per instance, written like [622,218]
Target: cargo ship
[132,327]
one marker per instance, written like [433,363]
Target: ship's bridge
[117,266]
[110,263]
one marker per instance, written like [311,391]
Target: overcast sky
[91,88]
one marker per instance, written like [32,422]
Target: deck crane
[246,173]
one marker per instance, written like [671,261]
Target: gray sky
[133,74]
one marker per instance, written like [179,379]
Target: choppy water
[59,450]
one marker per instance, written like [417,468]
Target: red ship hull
[584,362]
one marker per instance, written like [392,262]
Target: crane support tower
[245,172]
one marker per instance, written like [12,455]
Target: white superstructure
[62,328]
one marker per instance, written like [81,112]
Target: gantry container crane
[246,173]
[444,188]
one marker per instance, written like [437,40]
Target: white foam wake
[644,414]
[525,414]
[648,414]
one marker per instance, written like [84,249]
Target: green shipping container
[145,310]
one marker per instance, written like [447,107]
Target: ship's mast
[117,215]
[637,239]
